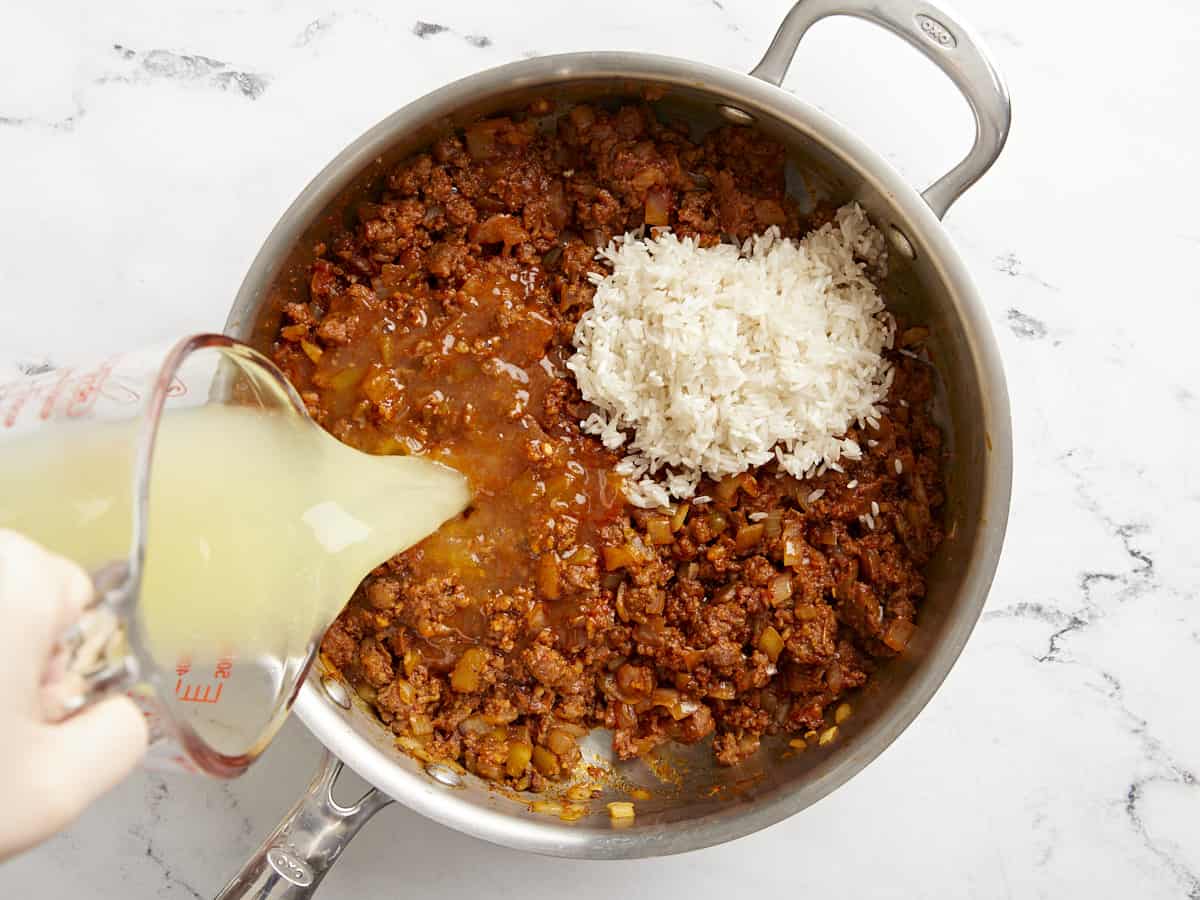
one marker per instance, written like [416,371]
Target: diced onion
[770,642]
[781,588]
[899,633]
[621,810]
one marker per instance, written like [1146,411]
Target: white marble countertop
[147,148]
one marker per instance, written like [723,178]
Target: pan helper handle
[949,44]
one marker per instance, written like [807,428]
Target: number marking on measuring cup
[16,399]
[66,392]
[204,691]
[83,398]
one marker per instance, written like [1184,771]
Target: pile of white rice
[714,360]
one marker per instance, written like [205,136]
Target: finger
[87,755]
[40,594]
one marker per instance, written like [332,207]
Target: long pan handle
[296,856]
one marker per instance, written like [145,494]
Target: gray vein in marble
[316,28]
[1126,532]
[730,24]
[35,368]
[1010,265]
[170,880]
[157,793]
[1189,878]
[425,29]
[1028,610]
[153,65]
[1139,576]
[1080,619]
[1026,326]
[67,123]
[1171,772]
[1042,822]
[246,827]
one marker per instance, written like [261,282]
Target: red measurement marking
[83,398]
[19,399]
[55,392]
[183,667]
[69,393]
[197,693]
[224,667]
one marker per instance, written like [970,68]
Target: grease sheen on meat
[440,323]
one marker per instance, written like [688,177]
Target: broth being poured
[261,525]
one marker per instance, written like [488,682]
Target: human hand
[50,771]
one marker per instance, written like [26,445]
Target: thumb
[87,755]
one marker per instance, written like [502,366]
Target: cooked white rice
[714,360]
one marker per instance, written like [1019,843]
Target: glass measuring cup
[78,450]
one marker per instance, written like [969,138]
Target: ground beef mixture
[439,324]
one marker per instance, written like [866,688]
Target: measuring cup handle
[89,655]
[291,862]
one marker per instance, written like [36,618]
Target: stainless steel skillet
[929,282]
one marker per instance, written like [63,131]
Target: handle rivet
[735,115]
[443,775]
[900,243]
[336,691]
